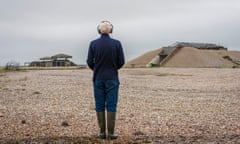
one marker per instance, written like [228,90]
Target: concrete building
[58,60]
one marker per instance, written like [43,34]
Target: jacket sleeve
[121,58]
[90,58]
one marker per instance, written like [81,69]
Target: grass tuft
[36,92]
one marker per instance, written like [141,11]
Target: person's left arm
[121,58]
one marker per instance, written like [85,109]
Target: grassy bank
[24,68]
[52,68]
[2,70]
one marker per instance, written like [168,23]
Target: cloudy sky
[31,29]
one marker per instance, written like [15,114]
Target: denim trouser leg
[106,95]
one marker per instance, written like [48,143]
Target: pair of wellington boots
[111,116]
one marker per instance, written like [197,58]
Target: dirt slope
[192,57]
[189,57]
[144,59]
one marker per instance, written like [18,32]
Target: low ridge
[182,54]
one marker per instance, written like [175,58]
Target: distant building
[206,46]
[187,54]
[58,60]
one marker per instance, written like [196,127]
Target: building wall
[55,63]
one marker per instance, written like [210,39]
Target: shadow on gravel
[141,139]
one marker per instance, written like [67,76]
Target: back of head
[105,27]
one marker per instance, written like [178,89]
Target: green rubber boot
[111,116]
[101,124]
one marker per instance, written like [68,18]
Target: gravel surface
[156,105]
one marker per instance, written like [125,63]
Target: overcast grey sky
[31,29]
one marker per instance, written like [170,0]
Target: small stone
[23,121]
[65,123]
[138,133]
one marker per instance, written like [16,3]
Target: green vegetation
[171,74]
[166,74]
[236,63]
[228,58]
[26,68]
[36,92]
[22,68]
[153,65]
[12,66]
[236,66]
[2,70]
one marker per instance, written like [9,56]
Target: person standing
[105,58]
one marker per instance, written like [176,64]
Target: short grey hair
[105,27]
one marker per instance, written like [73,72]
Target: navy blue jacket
[105,58]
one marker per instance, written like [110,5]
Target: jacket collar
[105,35]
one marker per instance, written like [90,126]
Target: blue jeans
[106,95]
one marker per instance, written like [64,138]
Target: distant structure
[204,46]
[169,51]
[185,54]
[58,60]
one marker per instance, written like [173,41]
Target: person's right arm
[90,58]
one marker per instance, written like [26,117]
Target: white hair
[105,27]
